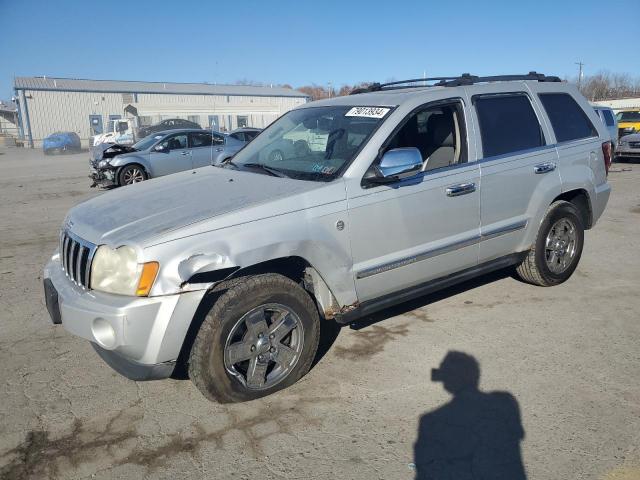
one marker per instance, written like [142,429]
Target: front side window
[508,124]
[438,132]
[314,143]
[568,120]
[200,139]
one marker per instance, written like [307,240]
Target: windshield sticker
[370,112]
[317,168]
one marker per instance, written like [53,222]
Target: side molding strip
[403,262]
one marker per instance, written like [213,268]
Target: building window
[243,121]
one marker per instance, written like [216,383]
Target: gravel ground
[563,364]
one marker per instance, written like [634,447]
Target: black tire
[236,299]
[535,267]
[126,173]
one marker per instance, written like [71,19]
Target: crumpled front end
[100,170]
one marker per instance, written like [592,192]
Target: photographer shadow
[476,436]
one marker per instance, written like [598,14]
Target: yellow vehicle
[628,122]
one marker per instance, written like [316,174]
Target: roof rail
[464,79]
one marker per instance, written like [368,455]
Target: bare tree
[608,86]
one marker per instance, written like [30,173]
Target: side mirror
[161,149]
[398,164]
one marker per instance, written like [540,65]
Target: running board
[401,296]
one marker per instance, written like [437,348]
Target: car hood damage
[146,213]
[108,150]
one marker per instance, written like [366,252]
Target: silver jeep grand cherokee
[387,194]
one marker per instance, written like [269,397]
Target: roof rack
[464,79]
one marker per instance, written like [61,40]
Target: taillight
[606,152]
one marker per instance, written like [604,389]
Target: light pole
[580,65]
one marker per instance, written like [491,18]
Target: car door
[518,167]
[201,149]
[407,233]
[173,156]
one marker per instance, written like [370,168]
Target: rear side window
[200,140]
[568,120]
[608,118]
[507,124]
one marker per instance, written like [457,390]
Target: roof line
[46,77]
[160,92]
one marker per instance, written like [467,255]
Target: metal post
[26,117]
[580,65]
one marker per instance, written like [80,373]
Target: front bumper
[103,177]
[139,337]
[625,150]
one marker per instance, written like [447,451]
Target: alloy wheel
[264,346]
[560,245]
[133,175]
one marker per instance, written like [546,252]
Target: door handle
[184,153]
[544,167]
[219,149]
[460,189]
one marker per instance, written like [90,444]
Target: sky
[321,42]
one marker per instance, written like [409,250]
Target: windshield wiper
[270,170]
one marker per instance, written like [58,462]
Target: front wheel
[131,174]
[260,336]
[557,249]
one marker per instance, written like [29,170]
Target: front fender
[310,234]
[120,161]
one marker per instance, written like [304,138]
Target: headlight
[103,163]
[118,271]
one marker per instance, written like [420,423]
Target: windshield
[312,143]
[628,117]
[147,142]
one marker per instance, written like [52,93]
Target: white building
[621,104]
[47,105]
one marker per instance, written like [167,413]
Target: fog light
[104,333]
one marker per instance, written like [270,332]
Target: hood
[144,212]
[634,137]
[109,150]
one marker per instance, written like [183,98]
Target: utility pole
[580,65]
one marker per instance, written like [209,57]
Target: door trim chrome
[405,261]
[496,232]
[385,267]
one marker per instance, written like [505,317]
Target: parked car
[628,122]
[232,269]
[59,142]
[608,118]
[245,134]
[629,146]
[160,154]
[165,125]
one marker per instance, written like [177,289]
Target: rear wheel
[260,336]
[557,249]
[131,174]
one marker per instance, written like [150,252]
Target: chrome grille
[76,255]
